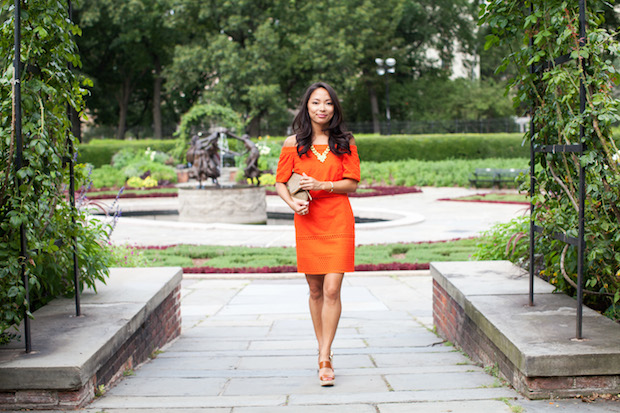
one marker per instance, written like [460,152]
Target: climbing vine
[553,27]
[40,201]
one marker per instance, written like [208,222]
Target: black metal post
[17,127]
[582,174]
[76,268]
[532,184]
[387,103]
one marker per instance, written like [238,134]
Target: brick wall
[163,325]
[160,327]
[454,325]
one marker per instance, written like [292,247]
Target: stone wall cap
[68,350]
[538,340]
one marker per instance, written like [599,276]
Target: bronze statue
[204,157]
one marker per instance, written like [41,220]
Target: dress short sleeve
[351,164]
[286,163]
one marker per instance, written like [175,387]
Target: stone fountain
[222,200]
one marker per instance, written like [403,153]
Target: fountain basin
[236,204]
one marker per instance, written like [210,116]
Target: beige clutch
[293,188]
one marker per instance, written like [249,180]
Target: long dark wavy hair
[339,137]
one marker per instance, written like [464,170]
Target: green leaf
[15,221]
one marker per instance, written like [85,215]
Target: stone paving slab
[242,332]
[167,410]
[482,406]
[341,408]
[402,341]
[111,403]
[401,396]
[198,344]
[418,359]
[168,386]
[440,381]
[305,344]
[192,362]
[304,385]
[268,363]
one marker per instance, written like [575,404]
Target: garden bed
[394,266]
[493,198]
[171,191]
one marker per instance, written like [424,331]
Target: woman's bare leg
[325,309]
[315,283]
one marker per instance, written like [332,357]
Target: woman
[326,157]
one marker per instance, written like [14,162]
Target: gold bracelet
[332,188]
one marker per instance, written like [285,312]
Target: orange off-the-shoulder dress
[326,235]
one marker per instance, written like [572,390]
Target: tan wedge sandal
[326,379]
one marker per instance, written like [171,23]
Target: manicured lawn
[235,257]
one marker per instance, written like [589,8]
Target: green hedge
[99,152]
[372,148]
[375,148]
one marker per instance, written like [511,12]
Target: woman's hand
[343,186]
[309,183]
[300,207]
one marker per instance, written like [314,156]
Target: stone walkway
[248,346]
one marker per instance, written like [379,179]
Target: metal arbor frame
[19,158]
[577,148]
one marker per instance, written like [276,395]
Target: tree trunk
[157,83]
[374,108]
[254,127]
[123,107]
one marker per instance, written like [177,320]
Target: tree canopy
[151,60]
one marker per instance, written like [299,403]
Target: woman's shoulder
[291,141]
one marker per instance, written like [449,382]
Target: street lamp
[385,67]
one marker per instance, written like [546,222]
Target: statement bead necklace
[320,156]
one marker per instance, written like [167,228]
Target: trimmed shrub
[200,118]
[375,148]
[107,177]
[100,152]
